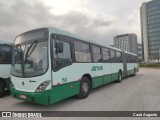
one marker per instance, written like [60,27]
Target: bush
[149,65]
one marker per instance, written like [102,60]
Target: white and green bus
[5,66]
[49,65]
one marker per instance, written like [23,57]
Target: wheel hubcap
[85,87]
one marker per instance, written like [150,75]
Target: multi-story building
[139,52]
[127,42]
[150,30]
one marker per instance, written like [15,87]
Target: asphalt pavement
[134,93]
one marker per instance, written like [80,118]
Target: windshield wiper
[30,50]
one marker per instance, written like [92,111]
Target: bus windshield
[33,64]
[29,59]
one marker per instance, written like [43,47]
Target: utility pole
[159,55]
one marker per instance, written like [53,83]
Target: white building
[126,42]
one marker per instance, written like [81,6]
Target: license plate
[23,96]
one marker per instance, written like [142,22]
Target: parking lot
[135,93]
[139,93]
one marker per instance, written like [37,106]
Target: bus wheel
[84,88]
[2,88]
[119,77]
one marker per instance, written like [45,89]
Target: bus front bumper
[40,98]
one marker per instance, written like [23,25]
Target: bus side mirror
[59,47]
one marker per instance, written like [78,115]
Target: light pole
[159,54]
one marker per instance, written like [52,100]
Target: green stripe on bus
[64,91]
[100,80]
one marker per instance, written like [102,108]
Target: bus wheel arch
[120,76]
[120,71]
[90,79]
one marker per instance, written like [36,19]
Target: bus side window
[118,56]
[106,55]
[82,52]
[6,54]
[112,53]
[97,57]
[63,58]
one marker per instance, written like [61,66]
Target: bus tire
[84,88]
[119,77]
[2,88]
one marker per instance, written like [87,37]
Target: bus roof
[58,31]
[62,32]
[130,53]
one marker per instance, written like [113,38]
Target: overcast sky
[94,19]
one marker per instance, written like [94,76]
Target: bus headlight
[42,86]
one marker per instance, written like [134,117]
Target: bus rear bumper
[40,98]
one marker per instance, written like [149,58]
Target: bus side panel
[124,64]
[107,70]
[115,69]
[64,91]
[5,70]
[63,76]
[5,74]
[130,68]
[82,69]
[97,81]
[97,70]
